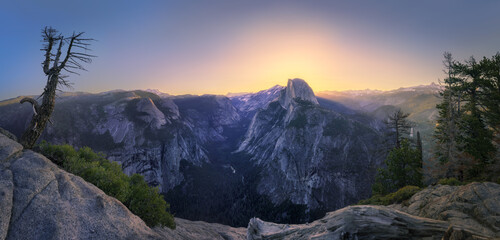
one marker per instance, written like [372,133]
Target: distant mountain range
[283,154]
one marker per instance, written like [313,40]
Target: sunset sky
[217,47]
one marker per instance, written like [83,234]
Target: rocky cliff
[309,154]
[40,201]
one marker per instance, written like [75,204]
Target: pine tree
[475,137]
[468,116]
[398,127]
[491,91]
[404,167]
[446,130]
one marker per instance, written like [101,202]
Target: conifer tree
[404,167]
[446,130]
[469,116]
[490,99]
[398,127]
[475,137]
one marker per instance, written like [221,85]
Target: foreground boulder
[355,222]
[38,200]
[41,201]
[474,207]
[437,212]
[190,230]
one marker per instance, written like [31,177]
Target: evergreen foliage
[467,128]
[404,167]
[149,203]
[133,192]
[450,181]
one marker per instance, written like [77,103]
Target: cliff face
[297,89]
[143,132]
[309,154]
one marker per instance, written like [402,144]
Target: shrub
[402,194]
[399,196]
[450,181]
[142,200]
[149,203]
[374,200]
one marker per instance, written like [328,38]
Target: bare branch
[58,55]
[83,54]
[84,48]
[34,103]
[70,72]
[48,36]
[68,53]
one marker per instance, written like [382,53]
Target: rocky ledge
[38,200]
[437,212]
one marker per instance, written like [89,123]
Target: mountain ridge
[187,144]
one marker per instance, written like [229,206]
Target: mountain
[249,103]
[280,154]
[145,133]
[308,154]
[419,101]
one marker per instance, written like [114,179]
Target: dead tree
[53,64]
[399,127]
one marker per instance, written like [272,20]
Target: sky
[216,47]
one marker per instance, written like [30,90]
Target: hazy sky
[217,47]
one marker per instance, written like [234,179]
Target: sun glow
[262,56]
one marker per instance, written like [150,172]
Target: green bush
[149,202]
[399,196]
[402,194]
[374,200]
[450,181]
[142,200]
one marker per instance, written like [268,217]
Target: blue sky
[238,46]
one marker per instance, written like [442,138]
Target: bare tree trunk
[42,114]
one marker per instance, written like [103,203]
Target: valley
[282,154]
